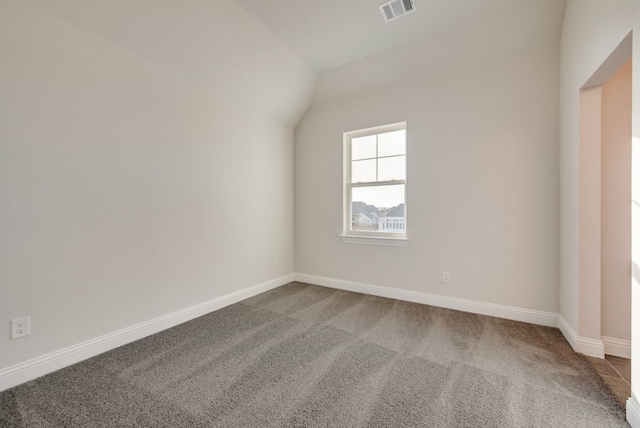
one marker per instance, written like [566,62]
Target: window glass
[392,168]
[376,182]
[363,171]
[378,209]
[392,143]
[363,147]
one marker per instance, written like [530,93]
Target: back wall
[482,182]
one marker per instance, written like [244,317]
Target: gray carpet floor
[308,356]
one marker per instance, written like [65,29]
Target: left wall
[134,181]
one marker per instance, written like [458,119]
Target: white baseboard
[633,412]
[582,345]
[36,367]
[590,347]
[617,347]
[500,311]
[568,332]
[39,366]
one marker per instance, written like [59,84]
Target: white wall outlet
[20,327]
[446,276]
[276,262]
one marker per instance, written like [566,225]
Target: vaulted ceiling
[330,33]
[270,52]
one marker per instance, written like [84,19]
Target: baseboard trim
[568,332]
[617,347]
[590,347]
[633,412]
[39,366]
[582,345]
[500,311]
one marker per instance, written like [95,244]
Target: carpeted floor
[309,356]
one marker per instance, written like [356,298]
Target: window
[375,185]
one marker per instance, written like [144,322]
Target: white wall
[592,30]
[130,188]
[482,181]
[590,206]
[616,212]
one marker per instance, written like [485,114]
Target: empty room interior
[320,213]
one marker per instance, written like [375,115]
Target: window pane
[392,143]
[393,168]
[363,147]
[378,208]
[363,171]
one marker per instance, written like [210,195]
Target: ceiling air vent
[396,8]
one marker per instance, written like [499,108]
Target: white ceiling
[213,44]
[330,33]
[516,28]
[240,46]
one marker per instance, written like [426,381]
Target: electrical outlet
[276,262]
[446,276]
[20,327]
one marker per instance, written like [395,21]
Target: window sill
[374,240]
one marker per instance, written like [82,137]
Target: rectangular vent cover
[396,8]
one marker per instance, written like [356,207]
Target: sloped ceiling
[517,27]
[216,45]
[267,54]
[330,33]
[355,50]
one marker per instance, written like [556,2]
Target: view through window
[375,188]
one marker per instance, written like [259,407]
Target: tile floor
[616,373]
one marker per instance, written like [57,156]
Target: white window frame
[370,237]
